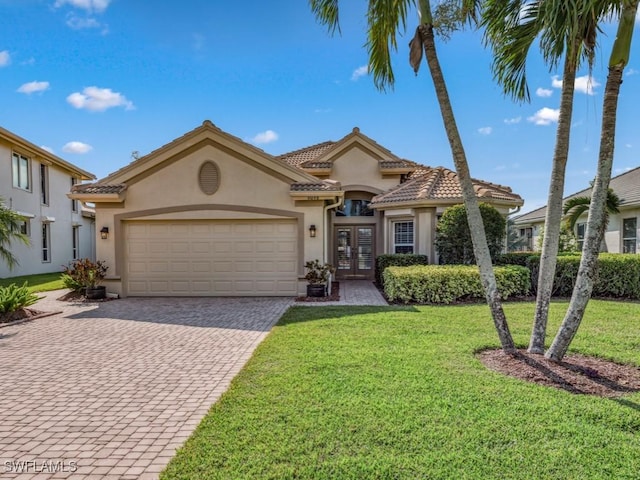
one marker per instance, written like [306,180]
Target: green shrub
[617,275]
[450,283]
[397,260]
[513,258]
[14,298]
[453,237]
[84,273]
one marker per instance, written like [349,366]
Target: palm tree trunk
[597,209]
[553,217]
[478,237]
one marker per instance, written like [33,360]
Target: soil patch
[577,373]
[20,314]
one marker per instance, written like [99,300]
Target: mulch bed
[577,374]
[334,296]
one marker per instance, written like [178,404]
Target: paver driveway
[112,389]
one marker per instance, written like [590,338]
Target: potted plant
[318,276]
[85,276]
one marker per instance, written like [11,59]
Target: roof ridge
[304,149]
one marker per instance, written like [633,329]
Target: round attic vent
[209,177]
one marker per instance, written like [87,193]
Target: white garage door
[211,258]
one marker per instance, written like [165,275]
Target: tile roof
[298,157]
[94,188]
[625,185]
[314,187]
[442,184]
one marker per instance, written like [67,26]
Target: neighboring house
[209,214]
[35,183]
[623,230]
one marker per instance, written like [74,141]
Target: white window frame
[25,227]
[634,238]
[75,242]
[74,202]
[394,233]
[46,242]
[580,238]
[21,171]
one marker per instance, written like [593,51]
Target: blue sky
[95,80]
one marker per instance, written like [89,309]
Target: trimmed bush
[450,283]
[397,260]
[617,276]
[514,258]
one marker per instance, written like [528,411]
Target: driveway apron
[112,389]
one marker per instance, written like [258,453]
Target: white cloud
[5,58]
[545,116]
[48,149]
[267,136]
[98,6]
[33,87]
[80,23]
[512,121]
[543,92]
[583,84]
[485,130]
[628,145]
[77,147]
[98,99]
[632,71]
[360,72]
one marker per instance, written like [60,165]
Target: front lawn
[397,392]
[43,282]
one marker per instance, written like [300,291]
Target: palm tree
[564,28]
[9,231]
[597,216]
[575,207]
[384,19]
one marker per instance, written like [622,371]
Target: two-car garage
[211,257]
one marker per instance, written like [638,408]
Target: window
[21,175]
[25,228]
[526,234]
[629,235]
[74,203]
[44,184]
[355,208]
[46,243]
[403,237]
[580,230]
[75,242]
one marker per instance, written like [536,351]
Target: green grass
[396,392]
[43,282]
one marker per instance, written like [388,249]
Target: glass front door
[355,251]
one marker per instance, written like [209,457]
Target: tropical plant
[14,298]
[10,230]
[385,18]
[84,273]
[567,242]
[597,209]
[575,207]
[318,273]
[565,29]
[453,236]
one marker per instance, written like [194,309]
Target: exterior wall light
[104,233]
[312,231]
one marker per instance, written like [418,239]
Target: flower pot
[96,293]
[316,290]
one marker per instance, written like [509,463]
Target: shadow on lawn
[309,314]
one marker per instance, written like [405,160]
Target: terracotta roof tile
[315,187]
[441,184]
[298,157]
[92,188]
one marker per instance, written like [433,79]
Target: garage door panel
[186,258]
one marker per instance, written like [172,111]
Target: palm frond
[327,13]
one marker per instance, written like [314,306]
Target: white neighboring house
[623,231]
[35,183]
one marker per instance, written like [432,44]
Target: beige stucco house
[35,183]
[209,214]
[623,230]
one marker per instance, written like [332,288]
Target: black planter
[316,290]
[96,293]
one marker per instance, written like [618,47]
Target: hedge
[618,274]
[450,283]
[397,260]
[514,258]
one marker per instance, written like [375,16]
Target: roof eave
[98,197]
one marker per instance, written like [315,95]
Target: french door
[354,251]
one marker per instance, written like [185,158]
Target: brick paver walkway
[111,390]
